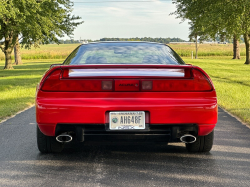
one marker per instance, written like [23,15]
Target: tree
[17,53]
[196,32]
[218,16]
[34,22]
[236,47]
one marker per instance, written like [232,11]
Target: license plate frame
[122,120]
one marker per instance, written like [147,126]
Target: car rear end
[146,102]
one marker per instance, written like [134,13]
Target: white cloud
[129,20]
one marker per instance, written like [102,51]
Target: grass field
[205,50]
[232,83]
[231,79]
[52,51]
[18,86]
[55,51]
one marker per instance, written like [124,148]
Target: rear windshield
[123,53]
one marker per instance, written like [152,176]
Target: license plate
[128,120]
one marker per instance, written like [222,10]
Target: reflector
[107,85]
[146,85]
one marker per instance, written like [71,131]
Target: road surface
[21,164]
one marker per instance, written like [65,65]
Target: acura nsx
[125,91]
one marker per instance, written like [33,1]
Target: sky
[128,18]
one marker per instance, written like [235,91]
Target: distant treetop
[146,39]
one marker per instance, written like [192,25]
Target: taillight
[201,81]
[198,82]
[195,80]
[54,82]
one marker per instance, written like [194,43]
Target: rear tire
[48,144]
[202,144]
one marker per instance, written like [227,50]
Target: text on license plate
[127,120]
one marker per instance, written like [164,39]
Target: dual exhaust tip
[188,138]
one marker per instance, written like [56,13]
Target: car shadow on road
[125,164]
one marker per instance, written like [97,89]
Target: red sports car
[125,91]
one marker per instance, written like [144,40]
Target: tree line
[148,39]
[210,18]
[68,41]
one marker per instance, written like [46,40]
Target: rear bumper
[162,108]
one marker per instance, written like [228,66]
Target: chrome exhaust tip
[188,138]
[64,138]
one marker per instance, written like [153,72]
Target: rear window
[123,53]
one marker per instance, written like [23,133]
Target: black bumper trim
[169,133]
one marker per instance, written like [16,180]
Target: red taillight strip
[194,80]
[198,83]
[47,75]
[91,85]
[206,75]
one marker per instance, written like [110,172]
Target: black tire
[48,144]
[202,144]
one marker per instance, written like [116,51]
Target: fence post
[192,55]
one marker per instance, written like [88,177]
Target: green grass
[18,86]
[232,83]
[52,51]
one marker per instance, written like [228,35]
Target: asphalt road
[21,164]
